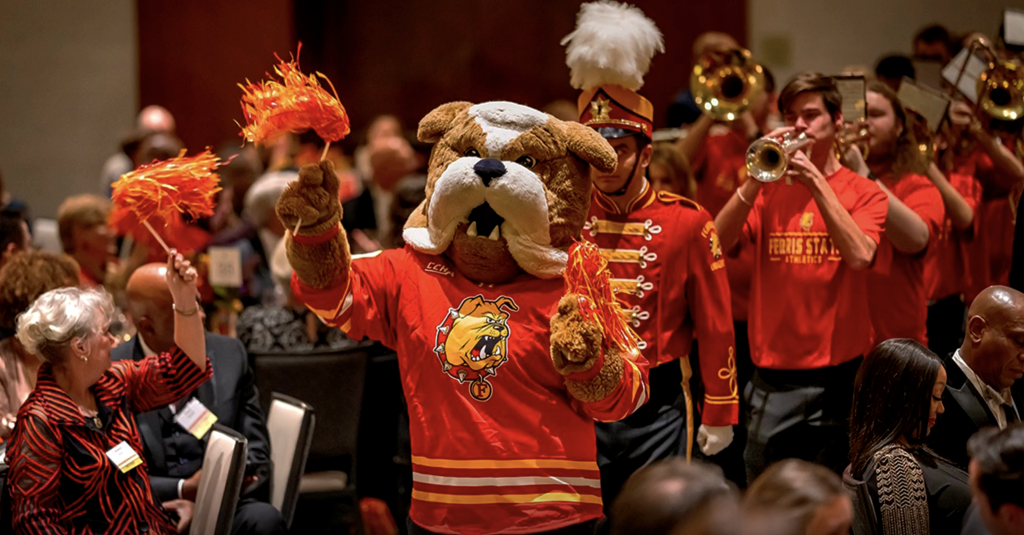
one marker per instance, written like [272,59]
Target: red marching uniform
[498,444]
[669,275]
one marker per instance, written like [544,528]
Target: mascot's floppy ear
[436,123]
[589,146]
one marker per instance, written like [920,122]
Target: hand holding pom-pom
[575,341]
[311,202]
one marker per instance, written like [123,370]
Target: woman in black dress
[903,487]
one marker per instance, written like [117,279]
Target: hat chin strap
[622,191]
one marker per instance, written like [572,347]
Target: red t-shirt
[992,251]
[946,269]
[896,289]
[808,308]
[719,168]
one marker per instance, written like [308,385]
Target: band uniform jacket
[231,395]
[669,275]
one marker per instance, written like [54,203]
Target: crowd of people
[829,342]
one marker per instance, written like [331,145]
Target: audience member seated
[286,326]
[85,236]
[897,399]
[997,482]
[14,235]
[9,203]
[174,456]
[61,480]
[797,497]
[22,281]
[669,171]
[984,386]
[675,497]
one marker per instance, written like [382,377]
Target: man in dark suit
[174,456]
[983,387]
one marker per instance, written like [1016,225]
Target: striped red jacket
[61,479]
[498,444]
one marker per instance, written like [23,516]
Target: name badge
[195,418]
[124,457]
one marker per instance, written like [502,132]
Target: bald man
[174,456]
[984,386]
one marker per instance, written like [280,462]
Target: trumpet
[725,83]
[768,159]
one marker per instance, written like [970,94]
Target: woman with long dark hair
[897,399]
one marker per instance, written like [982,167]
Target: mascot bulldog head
[508,189]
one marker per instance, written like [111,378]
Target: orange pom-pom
[295,104]
[157,192]
[587,275]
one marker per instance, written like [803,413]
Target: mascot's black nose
[488,169]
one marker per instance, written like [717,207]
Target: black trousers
[654,432]
[253,517]
[799,413]
[586,528]
[946,325]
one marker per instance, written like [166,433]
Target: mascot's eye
[472,153]
[526,161]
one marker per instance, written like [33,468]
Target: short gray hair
[59,316]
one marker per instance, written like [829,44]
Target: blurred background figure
[997,465]
[85,236]
[891,69]
[670,171]
[22,279]
[797,497]
[675,497]
[684,110]
[151,119]
[933,43]
[14,235]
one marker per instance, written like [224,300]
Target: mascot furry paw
[502,374]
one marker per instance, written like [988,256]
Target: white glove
[713,439]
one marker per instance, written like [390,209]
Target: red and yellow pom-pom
[295,104]
[587,275]
[157,192]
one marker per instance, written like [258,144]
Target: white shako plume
[613,44]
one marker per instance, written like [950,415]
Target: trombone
[724,83]
[1000,85]
[768,158]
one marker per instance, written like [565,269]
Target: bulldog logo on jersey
[807,221]
[473,339]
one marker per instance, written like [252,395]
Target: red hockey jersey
[498,444]
[670,277]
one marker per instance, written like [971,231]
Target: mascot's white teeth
[495,233]
[472,229]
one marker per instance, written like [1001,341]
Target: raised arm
[856,247]
[729,222]
[189,333]
[904,228]
[957,208]
[690,145]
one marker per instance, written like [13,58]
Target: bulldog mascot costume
[502,374]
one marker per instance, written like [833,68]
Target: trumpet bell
[766,160]
[725,83]
[1001,90]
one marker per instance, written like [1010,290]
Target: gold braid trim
[901,492]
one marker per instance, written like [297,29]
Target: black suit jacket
[965,414]
[230,394]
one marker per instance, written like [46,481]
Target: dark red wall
[390,56]
[193,53]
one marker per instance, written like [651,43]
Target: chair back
[221,484]
[865,521]
[290,423]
